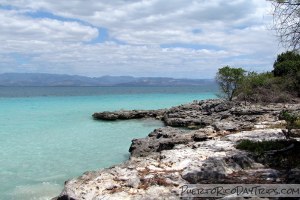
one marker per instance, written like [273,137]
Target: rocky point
[197,145]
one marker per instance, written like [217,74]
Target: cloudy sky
[174,38]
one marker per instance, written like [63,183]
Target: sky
[162,38]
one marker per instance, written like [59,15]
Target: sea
[48,135]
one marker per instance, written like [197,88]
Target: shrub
[293,120]
[260,147]
[283,160]
[255,86]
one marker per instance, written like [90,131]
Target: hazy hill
[40,79]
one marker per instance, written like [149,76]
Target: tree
[287,66]
[286,18]
[287,63]
[229,79]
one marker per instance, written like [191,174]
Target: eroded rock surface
[226,116]
[165,139]
[159,174]
[170,157]
[222,115]
[129,114]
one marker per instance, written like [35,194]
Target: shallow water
[47,135]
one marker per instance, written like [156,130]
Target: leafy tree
[287,22]
[229,79]
[287,63]
[287,66]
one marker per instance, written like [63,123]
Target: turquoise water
[47,138]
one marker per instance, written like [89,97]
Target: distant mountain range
[41,79]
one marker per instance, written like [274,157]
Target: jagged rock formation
[132,114]
[170,157]
[158,175]
[165,139]
[222,115]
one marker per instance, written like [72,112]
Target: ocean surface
[47,134]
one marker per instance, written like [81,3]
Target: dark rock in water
[133,114]
[106,116]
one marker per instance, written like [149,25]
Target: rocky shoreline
[197,145]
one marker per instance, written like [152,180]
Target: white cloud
[237,32]
[15,26]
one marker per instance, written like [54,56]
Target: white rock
[257,135]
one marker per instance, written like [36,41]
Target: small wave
[41,191]
[52,178]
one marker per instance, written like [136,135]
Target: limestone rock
[257,135]
[127,114]
[169,157]
[160,139]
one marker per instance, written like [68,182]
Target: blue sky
[174,38]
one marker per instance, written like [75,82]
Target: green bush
[260,147]
[293,120]
[255,86]
[283,160]
[287,63]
